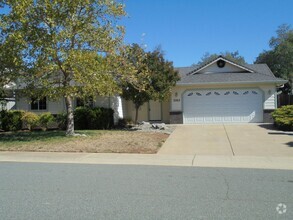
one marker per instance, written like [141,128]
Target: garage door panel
[222,106]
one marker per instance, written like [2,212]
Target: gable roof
[211,62]
[255,73]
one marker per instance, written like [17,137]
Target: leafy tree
[66,48]
[155,77]
[280,57]
[233,56]
[10,64]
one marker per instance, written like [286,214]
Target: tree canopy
[64,48]
[280,57]
[155,75]
[233,56]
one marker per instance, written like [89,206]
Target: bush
[93,118]
[125,122]
[11,120]
[82,116]
[30,119]
[283,118]
[46,119]
[61,120]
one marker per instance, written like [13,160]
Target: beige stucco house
[220,91]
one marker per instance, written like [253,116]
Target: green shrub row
[15,120]
[84,118]
[283,118]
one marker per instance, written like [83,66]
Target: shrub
[125,122]
[283,118]
[82,117]
[30,119]
[11,120]
[61,120]
[93,118]
[46,119]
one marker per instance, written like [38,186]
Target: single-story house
[220,91]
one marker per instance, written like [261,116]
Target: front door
[155,111]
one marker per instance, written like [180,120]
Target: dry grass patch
[99,141]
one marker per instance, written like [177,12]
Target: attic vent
[221,63]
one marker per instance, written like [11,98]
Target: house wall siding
[143,112]
[269,97]
[22,103]
[166,111]
[58,106]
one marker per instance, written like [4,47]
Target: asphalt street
[80,191]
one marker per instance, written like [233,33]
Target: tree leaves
[64,47]
[154,77]
[280,57]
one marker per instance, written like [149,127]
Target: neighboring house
[220,91]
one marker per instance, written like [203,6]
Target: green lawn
[95,141]
[18,138]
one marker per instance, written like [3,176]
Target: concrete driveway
[229,140]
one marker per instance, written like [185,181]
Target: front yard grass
[96,141]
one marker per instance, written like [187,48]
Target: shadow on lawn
[31,136]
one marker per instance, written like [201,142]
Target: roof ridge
[213,60]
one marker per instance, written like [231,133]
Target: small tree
[68,48]
[155,77]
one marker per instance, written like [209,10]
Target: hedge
[93,118]
[84,118]
[283,118]
[14,120]
[11,120]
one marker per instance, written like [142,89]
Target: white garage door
[222,106]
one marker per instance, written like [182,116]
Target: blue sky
[186,29]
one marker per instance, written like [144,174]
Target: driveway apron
[198,139]
[229,140]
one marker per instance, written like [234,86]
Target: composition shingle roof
[261,74]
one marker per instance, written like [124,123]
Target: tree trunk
[136,113]
[70,117]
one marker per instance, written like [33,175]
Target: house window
[85,102]
[39,104]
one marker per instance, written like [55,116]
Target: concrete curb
[285,163]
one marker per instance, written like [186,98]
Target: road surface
[79,191]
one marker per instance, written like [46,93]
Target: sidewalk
[285,163]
